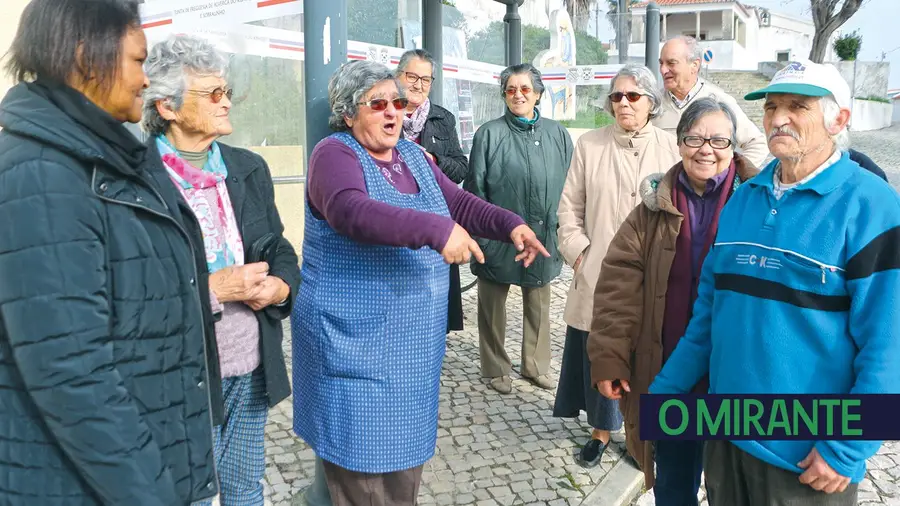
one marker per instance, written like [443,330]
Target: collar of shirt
[712,184]
[681,104]
[779,188]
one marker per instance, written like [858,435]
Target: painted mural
[558,101]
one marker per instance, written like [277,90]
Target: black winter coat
[252,196]
[104,309]
[439,138]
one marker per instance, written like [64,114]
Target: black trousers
[736,478]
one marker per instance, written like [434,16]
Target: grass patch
[572,485]
[872,98]
[600,119]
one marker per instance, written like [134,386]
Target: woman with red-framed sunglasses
[383,224]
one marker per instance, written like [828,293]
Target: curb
[621,485]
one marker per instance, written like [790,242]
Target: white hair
[693,51]
[645,81]
[830,112]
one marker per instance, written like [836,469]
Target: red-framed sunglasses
[380,104]
[632,96]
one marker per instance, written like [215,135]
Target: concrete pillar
[651,46]
[665,19]
[325,46]
[433,42]
[697,32]
[10,12]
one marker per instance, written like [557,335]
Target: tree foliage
[847,46]
[488,45]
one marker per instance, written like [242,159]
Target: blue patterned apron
[369,331]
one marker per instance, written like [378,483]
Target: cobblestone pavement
[882,483]
[491,449]
[883,147]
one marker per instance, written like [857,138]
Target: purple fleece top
[702,210]
[336,191]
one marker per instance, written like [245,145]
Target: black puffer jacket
[103,315]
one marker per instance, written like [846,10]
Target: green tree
[847,46]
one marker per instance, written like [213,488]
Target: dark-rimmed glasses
[632,96]
[414,78]
[216,94]
[695,141]
[380,104]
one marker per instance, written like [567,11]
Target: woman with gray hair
[369,326]
[519,162]
[433,128]
[648,284]
[601,189]
[253,272]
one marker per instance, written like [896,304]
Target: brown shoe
[501,384]
[542,381]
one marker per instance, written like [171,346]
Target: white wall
[896,116]
[870,115]
[788,34]
[10,12]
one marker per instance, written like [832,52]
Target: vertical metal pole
[651,47]
[622,39]
[325,49]
[433,42]
[513,30]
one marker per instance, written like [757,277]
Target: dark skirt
[575,393]
[454,308]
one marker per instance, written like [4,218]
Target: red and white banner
[159,18]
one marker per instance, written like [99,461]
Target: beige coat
[751,141]
[601,190]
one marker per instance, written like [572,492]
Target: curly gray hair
[349,84]
[645,81]
[170,64]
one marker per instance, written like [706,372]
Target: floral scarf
[221,237]
[413,125]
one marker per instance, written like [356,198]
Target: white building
[740,36]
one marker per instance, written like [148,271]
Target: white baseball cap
[807,78]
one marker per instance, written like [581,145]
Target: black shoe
[591,453]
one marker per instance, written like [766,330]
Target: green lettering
[779,418]
[737,417]
[753,418]
[848,417]
[829,404]
[811,423]
[704,420]
[684,417]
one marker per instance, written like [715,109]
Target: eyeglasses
[216,94]
[414,78]
[511,92]
[632,96]
[694,141]
[380,104]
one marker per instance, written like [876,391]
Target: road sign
[707,55]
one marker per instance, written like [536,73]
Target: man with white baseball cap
[798,295]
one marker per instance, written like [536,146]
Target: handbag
[263,249]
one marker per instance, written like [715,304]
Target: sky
[875,20]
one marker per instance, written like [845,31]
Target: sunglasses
[632,96]
[694,141]
[380,104]
[215,95]
[511,92]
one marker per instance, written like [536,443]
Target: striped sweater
[799,295]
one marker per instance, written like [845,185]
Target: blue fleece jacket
[802,296]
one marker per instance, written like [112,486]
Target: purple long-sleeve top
[336,191]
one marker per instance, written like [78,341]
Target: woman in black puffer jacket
[104,309]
